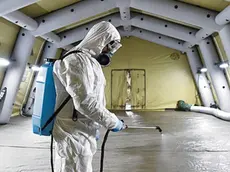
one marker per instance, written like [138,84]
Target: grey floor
[191,142]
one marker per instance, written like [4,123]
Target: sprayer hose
[103,150]
[51,153]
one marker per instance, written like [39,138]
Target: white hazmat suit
[81,76]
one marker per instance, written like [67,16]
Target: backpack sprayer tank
[44,105]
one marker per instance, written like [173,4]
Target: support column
[225,39]
[200,78]
[158,39]
[78,33]
[50,51]
[8,6]
[21,53]
[124,7]
[210,56]
[223,17]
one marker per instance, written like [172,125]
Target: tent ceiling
[217,5]
[43,7]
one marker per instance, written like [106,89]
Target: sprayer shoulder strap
[56,112]
[65,101]
[71,52]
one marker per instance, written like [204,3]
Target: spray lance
[126,127]
[154,128]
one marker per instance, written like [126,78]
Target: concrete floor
[191,142]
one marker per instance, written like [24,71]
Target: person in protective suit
[80,75]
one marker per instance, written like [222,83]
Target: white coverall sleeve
[80,79]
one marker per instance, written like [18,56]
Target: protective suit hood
[98,37]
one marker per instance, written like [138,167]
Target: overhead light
[35,68]
[4,62]
[202,70]
[223,65]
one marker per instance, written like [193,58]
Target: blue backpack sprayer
[44,112]
[45,99]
